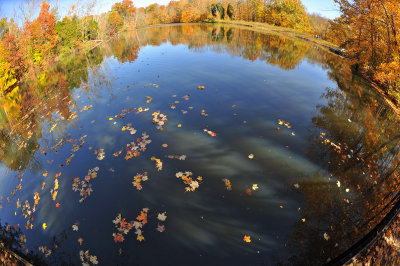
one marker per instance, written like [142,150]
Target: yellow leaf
[179,125]
[52,128]
[140,238]
[110,118]
[44,226]
[54,196]
[45,174]
[246,239]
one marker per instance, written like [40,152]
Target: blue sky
[10,8]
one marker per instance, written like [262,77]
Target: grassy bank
[286,32]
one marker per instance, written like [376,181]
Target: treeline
[285,13]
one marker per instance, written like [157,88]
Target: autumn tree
[288,13]
[125,9]
[319,25]
[40,34]
[373,39]
[115,21]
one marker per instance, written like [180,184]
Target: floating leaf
[162,216]
[246,239]
[160,228]
[228,184]
[249,192]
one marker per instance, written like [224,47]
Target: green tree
[69,31]
[229,11]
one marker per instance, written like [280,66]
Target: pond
[197,145]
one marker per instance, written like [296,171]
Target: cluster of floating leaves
[159,119]
[45,250]
[141,109]
[27,210]
[54,191]
[286,124]
[159,163]
[187,178]
[203,113]
[86,258]
[209,132]
[137,180]
[77,146]
[84,186]
[161,217]
[141,220]
[100,154]
[151,84]
[178,157]
[134,149]
[129,128]
[123,227]
[124,112]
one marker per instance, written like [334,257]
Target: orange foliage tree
[40,36]
[125,9]
[373,39]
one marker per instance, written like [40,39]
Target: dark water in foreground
[309,152]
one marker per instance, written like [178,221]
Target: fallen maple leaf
[246,239]
[162,216]
[160,228]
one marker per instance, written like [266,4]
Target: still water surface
[304,158]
